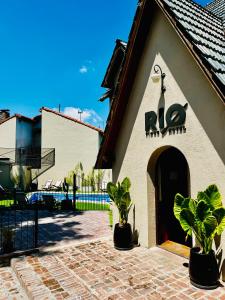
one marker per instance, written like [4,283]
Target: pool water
[59,196]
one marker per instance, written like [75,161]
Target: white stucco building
[166,128]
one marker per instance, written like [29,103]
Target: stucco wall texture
[8,134]
[203,143]
[73,143]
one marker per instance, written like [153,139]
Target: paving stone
[9,285]
[95,270]
[68,228]
[135,274]
[47,284]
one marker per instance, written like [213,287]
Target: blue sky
[56,52]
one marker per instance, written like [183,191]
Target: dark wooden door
[172,177]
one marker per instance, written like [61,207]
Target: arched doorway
[172,176]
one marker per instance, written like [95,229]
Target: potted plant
[7,241]
[119,194]
[205,218]
[66,204]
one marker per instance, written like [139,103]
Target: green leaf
[120,195]
[219,214]
[127,199]
[214,195]
[211,196]
[180,203]
[210,224]
[187,220]
[193,206]
[126,184]
[111,190]
[202,196]
[202,210]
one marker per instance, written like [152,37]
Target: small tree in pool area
[99,175]
[78,170]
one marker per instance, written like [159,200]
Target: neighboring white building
[73,140]
[20,142]
[51,143]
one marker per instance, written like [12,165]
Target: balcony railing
[38,159]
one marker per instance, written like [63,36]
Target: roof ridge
[222,39]
[205,9]
[7,119]
[72,119]
[24,117]
[122,42]
[182,5]
[213,5]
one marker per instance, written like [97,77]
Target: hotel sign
[173,120]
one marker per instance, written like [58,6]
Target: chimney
[4,114]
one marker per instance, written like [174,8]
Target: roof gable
[203,34]
[20,117]
[114,65]
[71,119]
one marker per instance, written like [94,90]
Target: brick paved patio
[68,227]
[56,228]
[95,270]
[9,285]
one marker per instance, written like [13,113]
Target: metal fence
[81,195]
[20,212]
[90,195]
[18,224]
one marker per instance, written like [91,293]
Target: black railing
[81,195]
[20,212]
[37,159]
[47,161]
[8,153]
[18,225]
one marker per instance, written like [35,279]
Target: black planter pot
[7,247]
[123,238]
[203,269]
[66,205]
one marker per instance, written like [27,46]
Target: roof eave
[106,156]
[117,48]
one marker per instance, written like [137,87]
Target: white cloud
[88,115]
[83,70]
[87,67]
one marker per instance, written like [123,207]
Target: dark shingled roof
[217,7]
[205,30]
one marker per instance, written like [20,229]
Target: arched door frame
[153,191]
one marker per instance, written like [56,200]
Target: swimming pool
[60,196]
